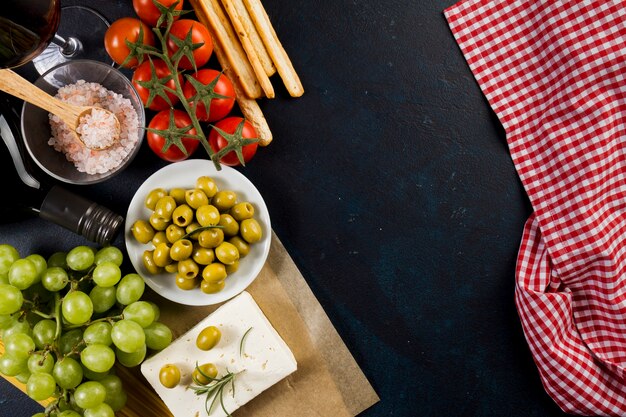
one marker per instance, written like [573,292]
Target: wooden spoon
[70,114]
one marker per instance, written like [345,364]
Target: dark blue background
[390,184]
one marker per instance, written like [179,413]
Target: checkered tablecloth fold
[555,74]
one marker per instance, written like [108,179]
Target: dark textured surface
[390,184]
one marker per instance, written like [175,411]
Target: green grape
[57,259]
[4,278]
[141,312]
[97,358]
[94,376]
[118,402]
[11,366]
[157,310]
[102,410]
[23,376]
[39,415]
[40,386]
[19,345]
[40,362]
[131,359]
[107,274]
[20,326]
[89,394]
[80,258]
[71,340]
[158,336]
[113,386]
[102,298]
[23,273]
[54,278]
[44,332]
[68,413]
[7,320]
[40,264]
[77,307]
[128,336]
[130,289]
[68,373]
[99,332]
[11,299]
[109,254]
[8,255]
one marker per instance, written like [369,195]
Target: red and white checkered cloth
[555,74]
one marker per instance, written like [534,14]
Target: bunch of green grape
[67,320]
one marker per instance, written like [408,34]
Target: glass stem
[69,47]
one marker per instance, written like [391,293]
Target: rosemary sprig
[214,390]
[243,338]
[200,229]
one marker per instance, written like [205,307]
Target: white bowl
[183,175]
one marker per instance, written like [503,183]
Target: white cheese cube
[266,359]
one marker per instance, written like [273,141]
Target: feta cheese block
[263,360]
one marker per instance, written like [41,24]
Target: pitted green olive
[157,222]
[214,272]
[208,338]
[186,284]
[204,373]
[172,268]
[191,228]
[207,215]
[227,253]
[142,231]
[182,216]
[174,233]
[188,268]
[196,198]
[211,287]
[229,225]
[202,256]
[242,246]
[242,211]
[161,255]
[208,185]
[178,194]
[232,268]
[159,237]
[211,238]
[148,263]
[154,196]
[181,250]
[250,230]
[224,200]
[165,207]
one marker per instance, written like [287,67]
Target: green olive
[202,256]
[178,194]
[161,255]
[250,230]
[148,263]
[232,268]
[191,228]
[188,268]
[208,338]
[159,237]
[242,246]
[230,226]
[203,374]
[211,287]
[208,185]
[224,200]
[142,231]
[181,250]
[172,268]
[174,233]
[214,272]
[196,198]
[207,215]
[186,284]
[165,207]
[242,211]
[227,253]
[169,376]
[211,238]
[182,215]
[157,222]
[154,196]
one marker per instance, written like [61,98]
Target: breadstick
[231,54]
[274,47]
[259,71]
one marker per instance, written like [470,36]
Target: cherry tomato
[149,13]
[229,125]
[199,34]
[126,28]
[144,73]
[220,107]
[156,142]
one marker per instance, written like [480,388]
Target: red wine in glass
[26,29]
